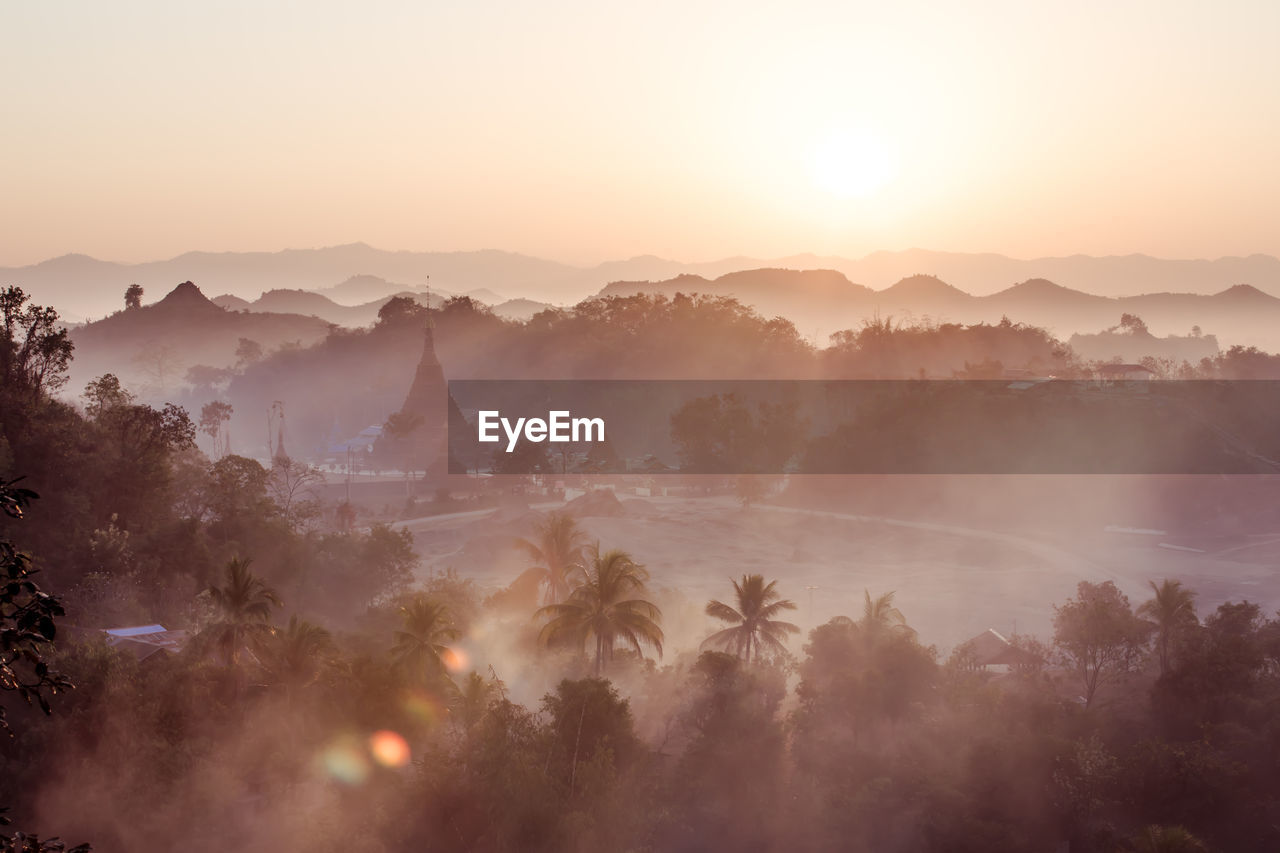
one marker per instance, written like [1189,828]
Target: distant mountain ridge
[321,304]
[84,286]
[821,303]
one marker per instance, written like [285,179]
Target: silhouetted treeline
[354,373]
[354,378]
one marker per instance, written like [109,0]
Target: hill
[312,304]
[151,348]
[809,298]
[359,289]
[519,309]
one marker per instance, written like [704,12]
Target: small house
[145,640]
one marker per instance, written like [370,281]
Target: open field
[952,582]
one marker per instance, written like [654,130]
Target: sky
[583,131]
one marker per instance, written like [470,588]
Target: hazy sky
[582,131]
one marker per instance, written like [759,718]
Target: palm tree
[420,646]
[753,622]
[602,607]
[557,554]
[244,605]
[473,697]
[1172,610]
[880,617]
[294,656]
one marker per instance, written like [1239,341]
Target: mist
[276,619]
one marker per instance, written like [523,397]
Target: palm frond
[723,612]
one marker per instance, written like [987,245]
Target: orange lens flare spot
[455,660]
[389,749]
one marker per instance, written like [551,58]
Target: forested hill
[152,347]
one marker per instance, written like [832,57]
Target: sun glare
[852,163]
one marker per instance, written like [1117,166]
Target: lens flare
[389,749]
[455,660]
[345,761]
[422,706]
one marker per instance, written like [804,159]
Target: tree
[387,560]
[1173,611]
[294,656]
[34,351]
[557,554]
[731,775]
[236,494]
[138,430]
[420,645]
[853,675]
[27,632]
[1098,636]
[27,614]
[721,434]
[160,363]
[247,352]
[880,617]
[104,394]
[590,724]
[208,381]
[243,606]
[1222,671]
[602,608]
[396,447]
[400,311]
[292,486]
[133,297]
[144,435]
[754,625]
[475,695]
[213,419]
[135,446]
[1133,324]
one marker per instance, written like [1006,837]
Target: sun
[852,163]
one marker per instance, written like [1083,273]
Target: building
[991,648]
[416,437]
[145,640]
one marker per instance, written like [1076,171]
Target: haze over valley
[928,356]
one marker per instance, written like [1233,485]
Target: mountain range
[81,287]
[823,301]
[327,305]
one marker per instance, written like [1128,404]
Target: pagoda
[415,438]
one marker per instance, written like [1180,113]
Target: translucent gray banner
[1127,425]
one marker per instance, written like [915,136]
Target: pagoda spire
[429,391]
